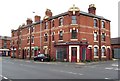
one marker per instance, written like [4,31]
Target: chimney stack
[48,13]
[29,21]
[37,18]
[92,9]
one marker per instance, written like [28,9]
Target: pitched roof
[81,12]
[115,40]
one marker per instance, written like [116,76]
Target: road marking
[109,68]
[107,78]
[115,65]
[68,72]
[117,69]
[3,77]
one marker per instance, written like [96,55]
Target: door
[108,51]
[23,54]
[74,54]
[83,54]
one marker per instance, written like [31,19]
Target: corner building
[75,35]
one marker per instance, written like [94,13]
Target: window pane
[95,23]
[74,34]
[73,19]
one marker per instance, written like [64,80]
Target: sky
[15,12]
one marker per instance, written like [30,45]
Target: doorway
[73,54]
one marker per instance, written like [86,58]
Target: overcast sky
[15,12]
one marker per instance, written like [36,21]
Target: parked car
[42,57]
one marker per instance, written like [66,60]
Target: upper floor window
[95,36]
[46,25]
[32,28]
[46,37]
[61,35]
[74,20]
[32,39]
[95,51]
[103,36]
[103,24]
[74,34]
[53,24]
[103,51]
[60,21]
[28,39]
[95,22]
[53,38]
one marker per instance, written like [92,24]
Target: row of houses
[72,36]
[5,45]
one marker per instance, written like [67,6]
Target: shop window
[61,54]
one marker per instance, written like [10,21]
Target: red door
[74,54]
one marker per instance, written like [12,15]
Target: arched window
[95,51]
[103,24]
[60,21]
[103,51]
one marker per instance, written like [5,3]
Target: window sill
[60,40]
[95,41]
[73,24]
[74,39]
[96,57]
[103,56]
[60,26]
[53,41]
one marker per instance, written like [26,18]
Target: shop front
[72,51]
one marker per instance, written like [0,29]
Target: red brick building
[5,45]
[72,36]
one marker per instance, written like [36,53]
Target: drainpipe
[99,39]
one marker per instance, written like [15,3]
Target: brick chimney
[29,21]
[48,13]
[92,9]
[37,18]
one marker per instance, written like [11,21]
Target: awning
[36,48]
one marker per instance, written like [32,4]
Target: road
[29,69]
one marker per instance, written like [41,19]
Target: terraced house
[72,36]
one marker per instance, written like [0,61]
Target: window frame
[74,34]
[96,52]
[95,37]
[95,23]
[60,21]
[73,18]
[61,35]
